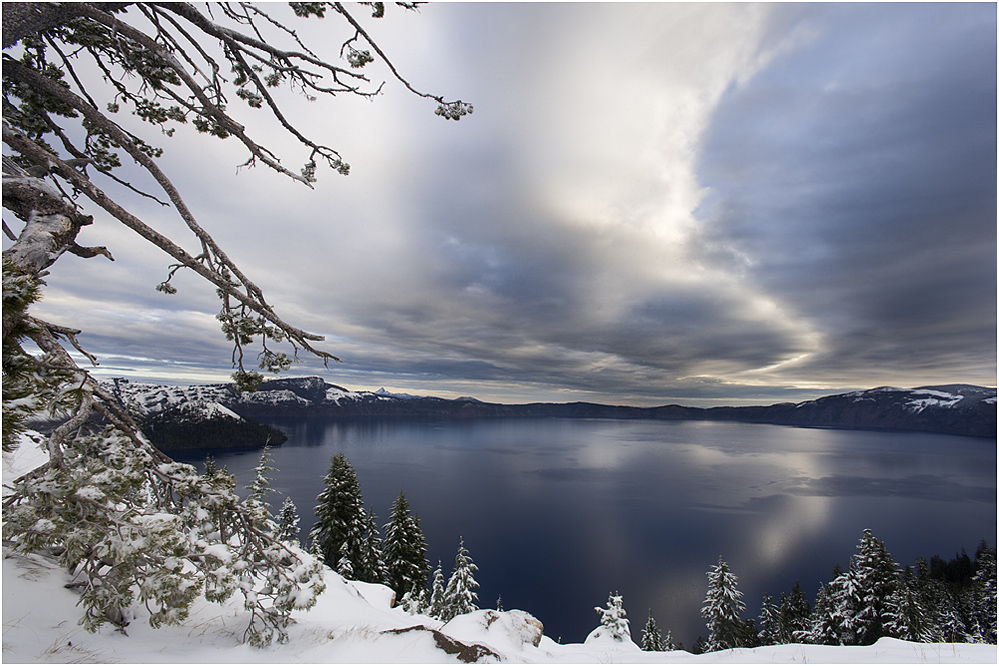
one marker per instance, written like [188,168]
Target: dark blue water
[558,513]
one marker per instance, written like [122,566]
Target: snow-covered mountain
[952,409]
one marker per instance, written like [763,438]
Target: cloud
[855,181]
[651,203]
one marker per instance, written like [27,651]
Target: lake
[557,513]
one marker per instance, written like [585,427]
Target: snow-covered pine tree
[945,613]
[834,619]
[668,643]
[459,595]
[795,613]
[770,625]
[652,638]
[340,518]
[287,529]
[416,600]
[437,603]
[256,501]
[722,607]
[614,619]
[133,525]
[982,614]
[344,565]
[876,576]
[905,615]
[370,568]
[944,618]
[404,550]
[819,630]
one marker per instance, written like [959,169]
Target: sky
[651,203]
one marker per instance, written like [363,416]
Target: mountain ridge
[956,409]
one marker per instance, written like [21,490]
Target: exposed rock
[464,652]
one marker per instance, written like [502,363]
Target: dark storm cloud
[856,180]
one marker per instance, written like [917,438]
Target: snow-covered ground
[351,623]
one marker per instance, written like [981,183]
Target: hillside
[352,622]
[949,409]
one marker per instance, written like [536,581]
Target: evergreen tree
[722,607]
[416,600]
[614,618]
[876,576]
[287,529]
[770,624]
[905,615]
[344,565]
[260,487]
[405,549]
[437,603]
[982,615]
[652,638]
[844,605]
[370,567]
[795,614]
[459,595]
[748,634]
[823,629]
[340,518]
[669,644]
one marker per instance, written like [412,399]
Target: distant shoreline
[947,409]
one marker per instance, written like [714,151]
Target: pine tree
[652,638]
[770,624]
[416,600]
[947,616]
[822,630]
[287,529]
[722,607]
[668,643]
[906,616]
[340,518]
[795,614]
[614,618]
[405,549]
[437,603]
[260,487]
[982,621]
[845,604]
[459,595]
[370,567]
[876,576]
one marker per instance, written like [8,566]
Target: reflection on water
[557,513]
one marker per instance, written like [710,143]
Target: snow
[351,622]
[335,394]
[933,399]
[280,396]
